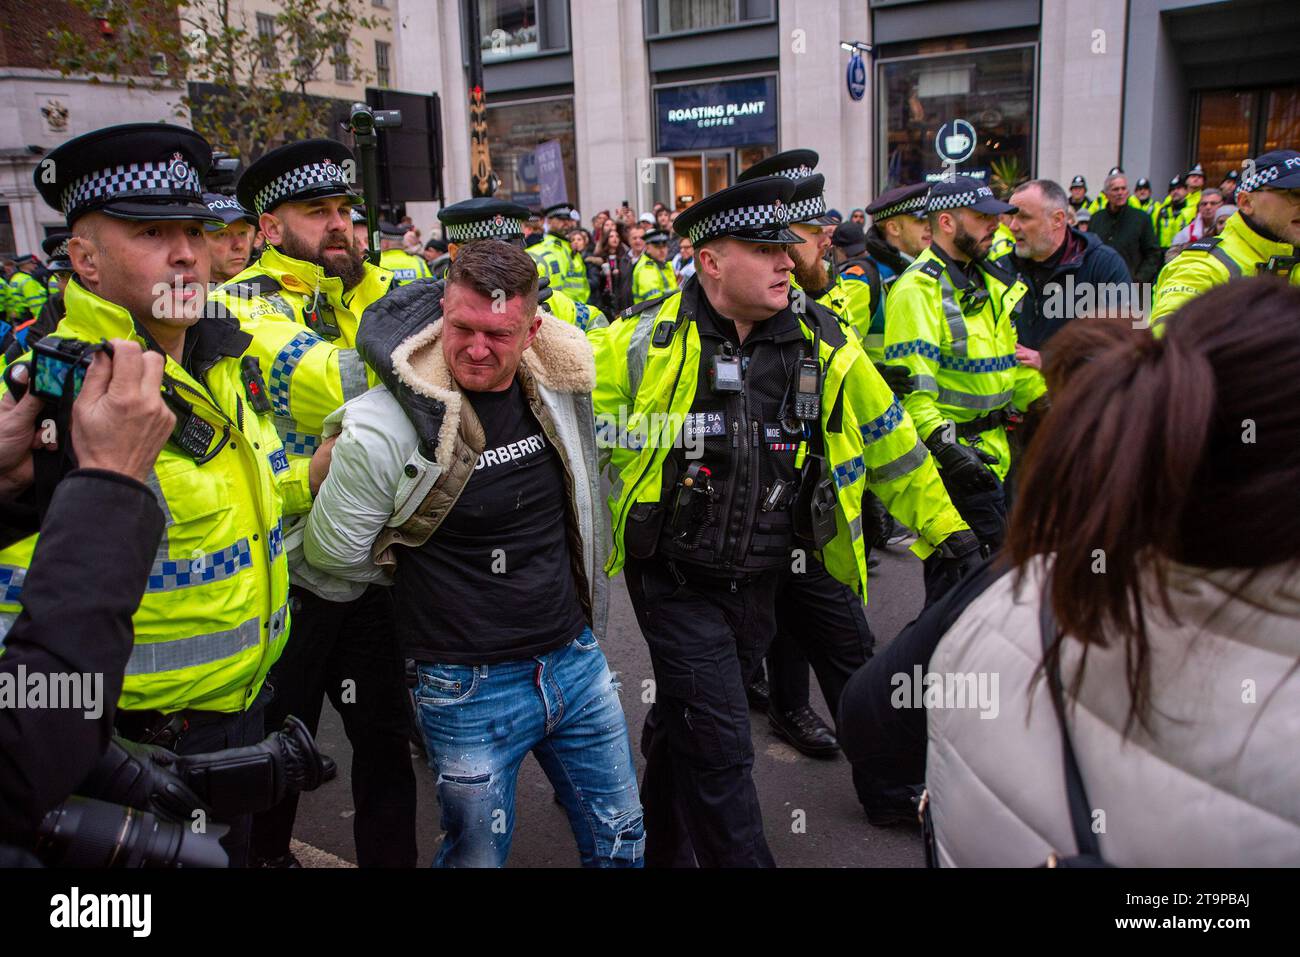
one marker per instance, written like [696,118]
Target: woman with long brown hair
[1152,567]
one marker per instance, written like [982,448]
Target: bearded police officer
[557,261]
[742,436]
[215,613]
[486,218]
[1261,237]
[405,267]
[950,320]
[302,303]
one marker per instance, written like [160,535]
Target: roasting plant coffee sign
[720,114]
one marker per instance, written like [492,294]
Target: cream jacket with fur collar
[378,478]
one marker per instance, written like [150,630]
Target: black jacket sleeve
[890,742]
[89,572]
[1149,257]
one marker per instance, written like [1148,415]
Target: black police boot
[329,768]
[802,728]
[894,805]
[759,694]
[287,861]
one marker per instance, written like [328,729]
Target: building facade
[667,100]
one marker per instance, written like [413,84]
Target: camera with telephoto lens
[222,174]
[138,807]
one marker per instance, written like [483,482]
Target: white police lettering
[509,453]
[705,423]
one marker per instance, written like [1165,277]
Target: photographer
[99,536]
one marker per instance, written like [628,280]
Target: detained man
[470,478]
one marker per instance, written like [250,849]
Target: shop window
[515,130]
[993,90]
[1232,125]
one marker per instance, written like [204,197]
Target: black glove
[143,776]
[957,556]
[965,467]
[544,289]
[898,378]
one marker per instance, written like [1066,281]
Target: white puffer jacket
[1216,783]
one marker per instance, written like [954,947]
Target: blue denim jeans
[480,722]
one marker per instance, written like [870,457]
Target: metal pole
[481,178]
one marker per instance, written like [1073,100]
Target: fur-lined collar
[559,360]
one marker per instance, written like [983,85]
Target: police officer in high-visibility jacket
[1143,200]
[404,266]
[950,318]
[27,292]
[564,269]
[652,275]
[215,613]
[1260,238]
[302,302]
[486,218]
[741,437]
[1174,213]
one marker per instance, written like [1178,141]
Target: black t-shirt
[494,582]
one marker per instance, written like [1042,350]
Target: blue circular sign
[856,77]
[955,141]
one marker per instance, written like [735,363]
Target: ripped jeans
[481,721]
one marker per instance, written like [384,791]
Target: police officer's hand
[965,467]
[120,421]
[320,464]
[898,378]
[1028,357]
[143,776]
[958,555]
[18,436]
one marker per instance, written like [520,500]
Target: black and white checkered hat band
[766,216]
[300,180]
[913,205]
[1259,178]
[806,209]
[795,172]
[61,250]
[171,179]
[958,200]
[499,227]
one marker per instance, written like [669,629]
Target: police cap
[900,199]
[562,211]
[808,204]
[55,247]
[792,164]
[753,211]
[1279,169]
[483,218]
[965,193]
[1143,183]
[227,210]
[310,169]
[657,236]
[139,171]
[1078,181]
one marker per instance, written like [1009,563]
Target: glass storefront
[1232,125]
[992,89]
[515,130]
[508,28]
[708,132]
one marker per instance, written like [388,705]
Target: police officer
[215,612]
[27,289]
[950,319]
[55,247]
[1195,179]
[1174,213]
[1142,198]
[404,266]
[230,239]
[486,218]
[1079,198]
[1261,237]
[556,259]
[788,425]
[652,275]
[302,303]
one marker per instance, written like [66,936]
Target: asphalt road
[810,812]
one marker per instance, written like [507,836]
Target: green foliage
[247,92]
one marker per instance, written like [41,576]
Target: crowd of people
[406,482]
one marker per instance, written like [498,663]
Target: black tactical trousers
[348,651]
[986,514]
[706,641]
